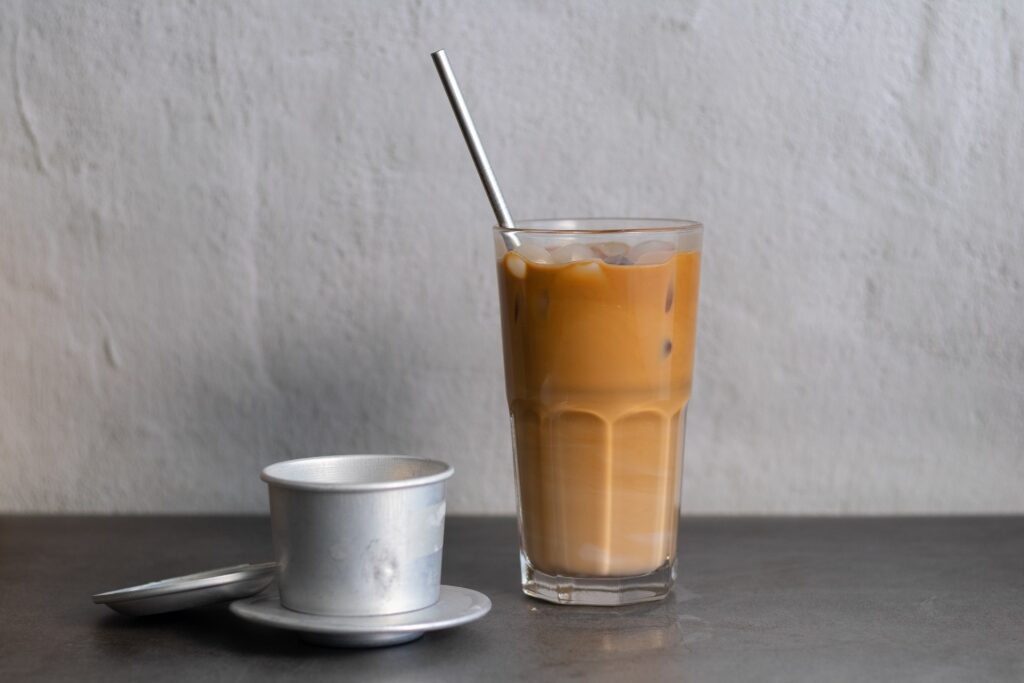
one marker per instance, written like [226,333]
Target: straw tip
[437,53]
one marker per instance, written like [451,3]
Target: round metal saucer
[194,590]
[455,607]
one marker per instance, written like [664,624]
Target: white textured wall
[236,232]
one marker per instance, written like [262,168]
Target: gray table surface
[925,599]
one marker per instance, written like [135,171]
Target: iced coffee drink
[599,321]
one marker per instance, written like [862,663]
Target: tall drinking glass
[598,324]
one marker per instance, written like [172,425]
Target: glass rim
[601,226]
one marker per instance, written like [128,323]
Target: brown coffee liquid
[598,368]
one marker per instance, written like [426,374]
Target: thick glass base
[623,590]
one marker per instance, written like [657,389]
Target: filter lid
[193,590]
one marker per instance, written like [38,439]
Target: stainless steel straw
[476,148]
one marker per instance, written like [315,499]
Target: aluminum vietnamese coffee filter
[358,535]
